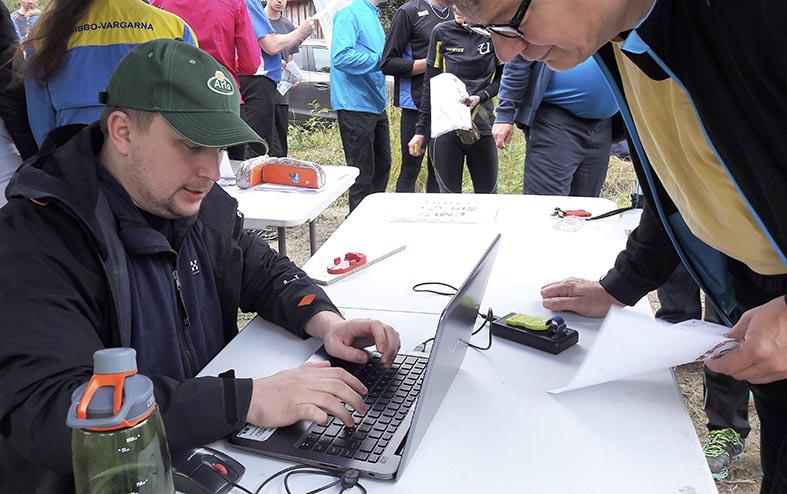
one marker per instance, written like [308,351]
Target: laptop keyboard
[392,392]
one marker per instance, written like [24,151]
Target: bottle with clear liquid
[118,442]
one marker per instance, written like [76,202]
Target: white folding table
[285,208]
[498,430]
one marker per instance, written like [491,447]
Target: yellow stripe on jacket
[110,22]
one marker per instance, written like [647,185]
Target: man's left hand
[345,339]
[762,356]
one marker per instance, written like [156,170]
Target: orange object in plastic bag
[282,171]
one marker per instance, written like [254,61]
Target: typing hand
[585,297]
[345,339]
[762,356]
[309,392]
[502,133]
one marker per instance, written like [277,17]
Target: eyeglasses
[510,30]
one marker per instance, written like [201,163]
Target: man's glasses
[510,30]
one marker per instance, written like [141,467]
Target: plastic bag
[448,111]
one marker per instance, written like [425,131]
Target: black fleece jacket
[62,297]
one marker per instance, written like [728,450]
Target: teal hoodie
[357,83]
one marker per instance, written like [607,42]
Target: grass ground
[322,144]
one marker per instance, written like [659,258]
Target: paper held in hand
[290,76]
[448,112]
[629,344]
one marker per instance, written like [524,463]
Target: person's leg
[411,165]
[278,144]
[482,165]
[449,161]
[431,180]
[595,138]
[259,107]
[357,133]
[771,402]
[382,153]
[550,157]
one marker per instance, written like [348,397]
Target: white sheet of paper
[326,11]
[629,344]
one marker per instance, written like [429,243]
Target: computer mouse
[205,471]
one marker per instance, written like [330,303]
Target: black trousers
[367,146]
[411,165]
[566,155]
[448,154]
[726,399]
[258,110]
[278,142]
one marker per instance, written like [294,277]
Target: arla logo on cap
[220,84]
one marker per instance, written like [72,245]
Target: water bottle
[118,444]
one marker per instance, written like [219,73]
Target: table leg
[313,236]
[282,241]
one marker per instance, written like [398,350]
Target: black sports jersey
[408,40]
[469,56]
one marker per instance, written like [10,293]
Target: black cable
[238,486]
[311,471]
[488,318]
[610,213]
[438,283]
[346,480]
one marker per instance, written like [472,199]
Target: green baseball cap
[193,92]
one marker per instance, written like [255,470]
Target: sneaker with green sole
[723,447]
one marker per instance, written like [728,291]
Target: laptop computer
[402,399]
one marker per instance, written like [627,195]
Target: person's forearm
[320,322]
[273,44]
[419,66]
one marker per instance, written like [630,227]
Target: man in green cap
[115,234]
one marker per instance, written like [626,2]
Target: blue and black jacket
[67,288]
[730,58]
[408,40]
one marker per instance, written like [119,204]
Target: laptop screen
[454,330]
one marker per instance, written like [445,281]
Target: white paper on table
[441,210]
[446,92]
[629,344]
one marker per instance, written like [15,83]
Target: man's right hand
[502,133]
[585,297]
[305,28]
[309,392]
